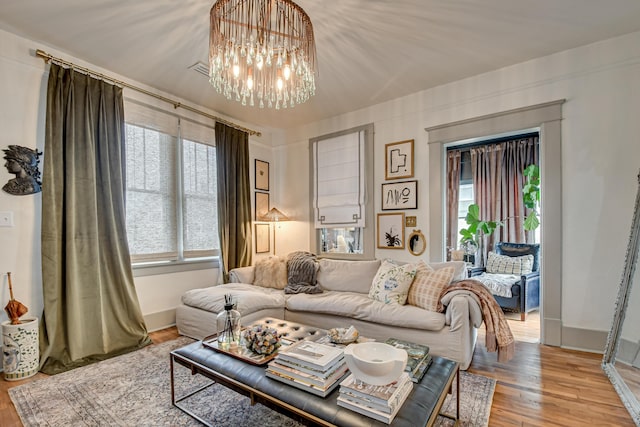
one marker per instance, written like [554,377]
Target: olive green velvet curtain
[91,309]
[234,197]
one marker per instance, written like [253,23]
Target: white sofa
[343,302]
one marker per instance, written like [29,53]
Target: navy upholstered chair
[525,293]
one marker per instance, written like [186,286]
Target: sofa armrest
[242,275]
[530,290]
[462,308]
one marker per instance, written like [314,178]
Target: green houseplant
[478,230]
[531,196]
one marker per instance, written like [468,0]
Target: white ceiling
[369,51]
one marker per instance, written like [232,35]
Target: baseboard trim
[584,339]
[552,331]
[160,320]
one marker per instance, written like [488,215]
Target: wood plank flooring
[540,386]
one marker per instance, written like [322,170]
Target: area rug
[134,390]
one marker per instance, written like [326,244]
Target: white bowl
[375,363]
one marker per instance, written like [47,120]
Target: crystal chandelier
[262,52]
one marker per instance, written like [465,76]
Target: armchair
[525,292]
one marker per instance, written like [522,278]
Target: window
[170,191]
[465,198]
[341,205]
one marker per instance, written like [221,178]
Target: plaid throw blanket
[498,336]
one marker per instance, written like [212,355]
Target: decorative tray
[289,332]
[240,352]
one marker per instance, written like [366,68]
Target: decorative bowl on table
[343,335]
[261,339]
[375,363]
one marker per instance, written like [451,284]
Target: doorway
[547,119]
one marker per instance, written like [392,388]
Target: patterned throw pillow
[391,283]
[502,264]
[271,272]
[428,286]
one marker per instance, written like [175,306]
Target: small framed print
[391,230]
[261,170]
[261,205]
[410,221]
[262,238]
[398,158]
[400,195]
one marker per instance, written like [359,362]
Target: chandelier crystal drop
[262,52]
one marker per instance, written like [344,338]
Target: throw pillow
[502,264]
[391,283]
[271,272]
[301,273]
[428,286]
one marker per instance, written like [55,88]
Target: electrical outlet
[6,219]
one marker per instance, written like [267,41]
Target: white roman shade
[339,181]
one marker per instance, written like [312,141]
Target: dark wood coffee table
[421,408]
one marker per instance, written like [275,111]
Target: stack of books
[418,360]
[310,366]
[381,403]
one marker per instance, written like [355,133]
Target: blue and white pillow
[392,282]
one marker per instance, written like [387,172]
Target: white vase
[20,349]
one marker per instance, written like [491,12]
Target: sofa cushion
[340,275]
[503,264]
[301,273]
[249,298]
[459,268]
[519,249]
[391,283]
[428,285]
[271,272]
[358,306]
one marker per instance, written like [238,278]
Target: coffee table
[421,408]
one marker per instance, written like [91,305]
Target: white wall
[601,155]
[23,81]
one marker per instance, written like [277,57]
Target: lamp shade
[274,215]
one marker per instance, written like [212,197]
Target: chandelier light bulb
[262,49]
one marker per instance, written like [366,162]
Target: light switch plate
[6,219]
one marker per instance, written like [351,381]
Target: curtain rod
[44,55]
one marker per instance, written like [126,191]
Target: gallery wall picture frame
[390,231]
[262,238]
[398,160]
[261,170]
[261,202]
[400,195]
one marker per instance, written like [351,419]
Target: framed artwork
[400,195]
[262,238]
[261,205]
[261,170]
[398,160]
[391,230]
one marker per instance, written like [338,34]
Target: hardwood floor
[540,386]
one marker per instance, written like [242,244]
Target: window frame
[368,235]
[180,263]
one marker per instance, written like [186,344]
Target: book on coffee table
[366,399]
[418,359]
[320,380]
[311,354]
[304,384]
[380,394]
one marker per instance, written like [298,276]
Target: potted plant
[531,196]
[473,237]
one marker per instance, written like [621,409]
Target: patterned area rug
[134,389]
